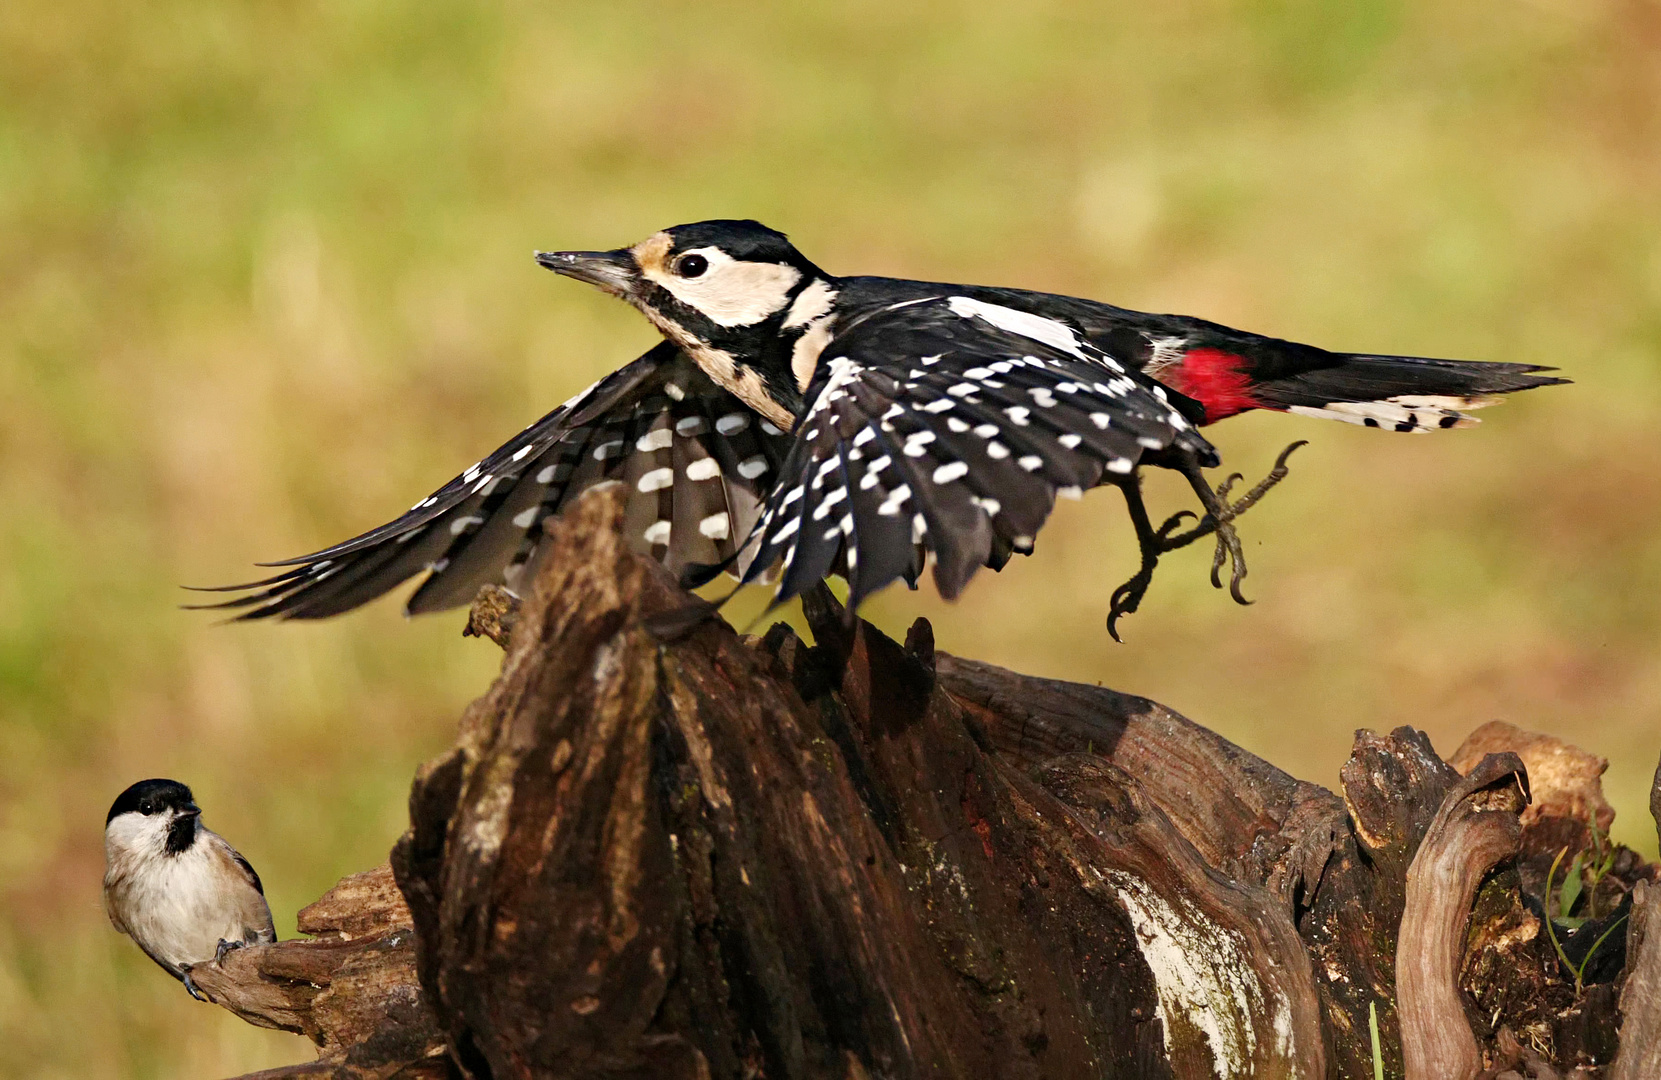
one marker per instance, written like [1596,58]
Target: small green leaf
[1551,929]
[1378,1050]
[1570,892]
[1573,923]
[1580,972]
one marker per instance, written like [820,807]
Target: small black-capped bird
[812,424]
[175,887]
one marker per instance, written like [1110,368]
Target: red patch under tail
[1215,379]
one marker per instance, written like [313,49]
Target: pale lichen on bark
[1205,980]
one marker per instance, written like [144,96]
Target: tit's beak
[613,271]
[190,810]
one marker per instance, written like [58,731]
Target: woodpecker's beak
[613,271]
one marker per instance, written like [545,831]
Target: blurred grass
[265,280]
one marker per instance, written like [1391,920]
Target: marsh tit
[175,887]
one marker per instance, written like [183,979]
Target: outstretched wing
[948,426]
[697,461]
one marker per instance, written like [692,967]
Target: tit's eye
[691,266]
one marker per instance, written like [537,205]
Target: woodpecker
[799,424]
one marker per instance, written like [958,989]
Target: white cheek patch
[730,292]
[135,833]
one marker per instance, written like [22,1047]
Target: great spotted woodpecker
[797,423]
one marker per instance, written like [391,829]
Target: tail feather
[1399,393]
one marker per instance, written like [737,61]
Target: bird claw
[1221,514]
[1127,597]
[195,991]
[1164,531]
[1154,543]
[1219,518]
[224,947]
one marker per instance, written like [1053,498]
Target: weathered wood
[1244,816]
[492,615]
[351,988]
[700,855]
[1563,780]
[1640,1032]
[1655,800]
[1476,826]
[1640,1053]
[1224,956]
[1512,967]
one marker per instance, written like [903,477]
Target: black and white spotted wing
[696,460]
[949,426]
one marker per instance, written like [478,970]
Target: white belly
[181,908]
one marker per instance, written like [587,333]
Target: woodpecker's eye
[691,266]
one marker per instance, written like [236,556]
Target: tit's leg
[226,946]
[190,984]
[1153,543]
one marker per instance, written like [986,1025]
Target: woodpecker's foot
[1261,488]
[1219,518]
[226,946]
[195,991]
[1154,543]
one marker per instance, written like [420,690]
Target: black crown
[151,797]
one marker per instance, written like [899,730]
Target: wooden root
[1476,826]
[351,988]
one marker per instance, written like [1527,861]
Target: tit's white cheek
[733,293]
[133,834]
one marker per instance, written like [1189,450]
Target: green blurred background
[265,280]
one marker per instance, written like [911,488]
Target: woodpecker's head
[150,819]
[749,307]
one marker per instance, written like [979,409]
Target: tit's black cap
[151,797]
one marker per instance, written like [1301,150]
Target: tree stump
[713,856]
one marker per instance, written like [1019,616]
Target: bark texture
[1640,1037]
[710,856]
[351,988]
